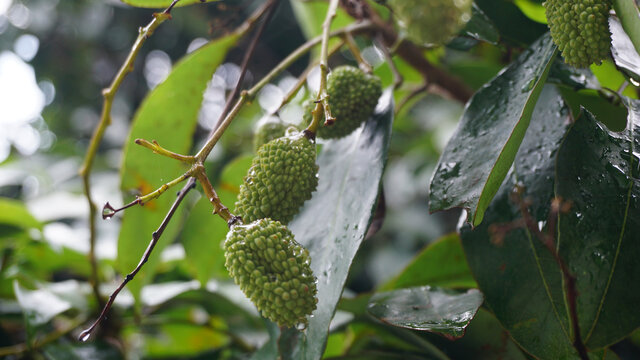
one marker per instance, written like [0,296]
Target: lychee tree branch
[303,77]
[322,99]
[105,121]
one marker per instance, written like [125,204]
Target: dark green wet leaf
[515,284]
[14,213]
[599,237]
[159,4]
[624,53]
[513,25]
[567,75]
[204,232]
[479,154]
[333,223]
[597,171]
[480,27]
[441,263]
[428,309]
[168,115]
[484,339]
[612,115]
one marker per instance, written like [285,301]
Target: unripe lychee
[272,270]
[281,178]
[267,129]
[580,28]
[353,95]
[431,22]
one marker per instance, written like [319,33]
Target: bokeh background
[56,56]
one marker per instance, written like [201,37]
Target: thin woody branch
[84,336]
[156,148]
[322,99]
[96,138]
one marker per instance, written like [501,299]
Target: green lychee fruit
[431,22]
[281,178]
[353,95]
[272,270]
[580,28]
[267,129]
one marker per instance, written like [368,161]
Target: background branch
[96,138]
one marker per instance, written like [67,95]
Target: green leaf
[479,154]
[624,53]
[597,172]
[204,231]
[428,309]
[441,263]
[180,340]
[627,11]
[484,339]
[513,25]
[160,4]
[14,213]
[334,222]
[480,27]
[311,15]
[169,115]
[533,10]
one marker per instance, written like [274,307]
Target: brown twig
[155,237]
[96,138]
[548,240]
[196,172]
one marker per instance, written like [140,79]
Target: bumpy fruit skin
[353,95]
[580,28]
[273,270]
[431,22]
[281,178]
[267,129]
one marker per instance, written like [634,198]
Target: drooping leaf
[14,213]
[624,53]
[596,171]
[479,154]
[441,264]
[203,232]
[159,4]
[168,115]
[334,222]
[425,308]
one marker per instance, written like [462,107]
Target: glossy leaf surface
[597,172]
[168,115]
[425,308]
[334,222]
[479,154]
[622,49]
